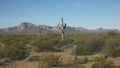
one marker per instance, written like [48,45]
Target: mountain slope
[27,27]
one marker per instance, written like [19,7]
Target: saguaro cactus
[62,27]
[39,30]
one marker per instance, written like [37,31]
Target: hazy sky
[89,14]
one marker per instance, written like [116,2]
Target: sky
[90,14]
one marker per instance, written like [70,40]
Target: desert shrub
[100,62]
[112,33]
[113,47]
[1,51]
[1,64]
[34,58]
[83,60]
[44,45]
[1,54]
[49,60]
[74,66]
[94,43]
[89,45]
[82,50]
[77,63]
[15,51]
[65,42]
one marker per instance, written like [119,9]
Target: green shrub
[49,60]
[44,46]
[113,47]
[94,43]
[100,62]
[2,64]
[83,60]
[89,45]
[74,66]
[15,52]
[34,58]
[65,42]
[82,50]
[77,63]
[112,33]
[1,52]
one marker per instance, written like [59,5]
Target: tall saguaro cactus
[39,30]
[62,27]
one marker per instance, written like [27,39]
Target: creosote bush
[49,60]
[100,62]
[89,45]
[1,51]
[76,63]
[94,43]
[82,50]
[15,51]
[113,47]
[64,42]
[34,58]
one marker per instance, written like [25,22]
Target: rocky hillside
[26,28]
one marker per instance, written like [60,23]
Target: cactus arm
[62,27]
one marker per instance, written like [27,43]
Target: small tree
[62,27]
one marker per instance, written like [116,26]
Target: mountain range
[27,28]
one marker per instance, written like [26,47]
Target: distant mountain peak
[25,25]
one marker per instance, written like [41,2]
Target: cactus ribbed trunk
[62,27]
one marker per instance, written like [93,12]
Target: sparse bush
[65,42]
[112,33]
[94,43]
[1,64]
[100,62]
[15,52]
[89,45]
[44,45]
[77,63]
[1,52]
[49,60]
[34,58]
[113,47]
[83,60]
[82,50]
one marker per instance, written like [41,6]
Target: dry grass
[22,64]
[116,61]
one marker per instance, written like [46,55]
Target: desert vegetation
[49,51]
